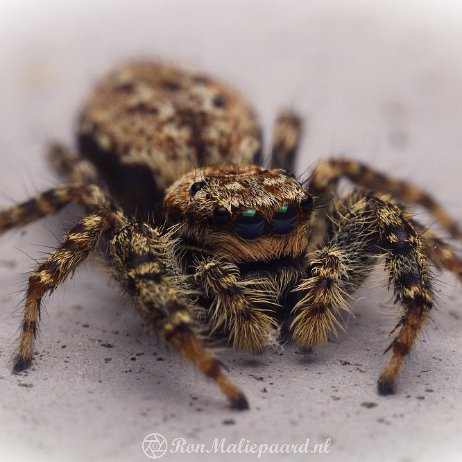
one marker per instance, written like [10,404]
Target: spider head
[242,213]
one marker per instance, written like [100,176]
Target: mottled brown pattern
[170,120]
[206,242]
[234,187]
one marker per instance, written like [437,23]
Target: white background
[378,81]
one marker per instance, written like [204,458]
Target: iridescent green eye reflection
[249,213]
[285,219]
[250,224]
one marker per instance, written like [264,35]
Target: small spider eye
[195,187]
[306,203]
[221,215]
[250,224]
[285,219]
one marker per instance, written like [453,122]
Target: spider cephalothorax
[202,238]
[242,213]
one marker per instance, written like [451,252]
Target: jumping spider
[206,241]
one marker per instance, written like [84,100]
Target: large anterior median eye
[285,219]
[220,215]
[250,224]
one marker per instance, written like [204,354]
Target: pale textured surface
[379,83]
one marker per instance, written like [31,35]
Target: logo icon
[154,445]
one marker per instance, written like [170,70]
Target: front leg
[365,228]
[233,304]
[409,272]
[80,241]
[330,280]
[144,263]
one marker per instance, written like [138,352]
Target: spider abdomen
[148,123]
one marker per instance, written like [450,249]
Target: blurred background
[378,81]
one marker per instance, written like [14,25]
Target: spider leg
[78,243]
[233,304]
[327,174]
[71,165]
[61,263]
[324,295]
[286,139]
[51,202]
[440,252]
[364,228]
[408,267]
[143,259]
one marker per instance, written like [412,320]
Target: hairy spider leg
[440,252]
[408,267]
[143,260]
[233,302]
[52,201]
[79,242]
[71,165]
[324,182]
[62,262]
[334,271]
[286,139]
[325,177]
[366,227]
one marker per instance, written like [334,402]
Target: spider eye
[307,203]
[220,215]
[250,224]
[285,219]
[195,187]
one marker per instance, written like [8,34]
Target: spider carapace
[207,242]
